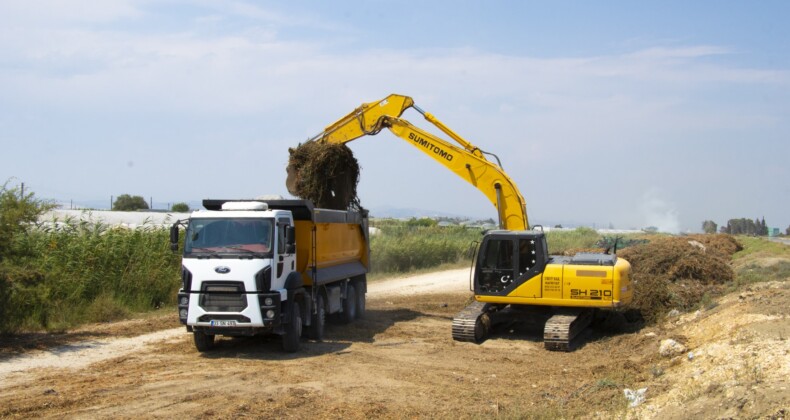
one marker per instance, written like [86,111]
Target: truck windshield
[227,236]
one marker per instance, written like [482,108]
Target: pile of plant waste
[680,272]
[326,174]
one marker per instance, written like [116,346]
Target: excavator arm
[465,160]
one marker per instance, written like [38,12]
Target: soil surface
[401,362]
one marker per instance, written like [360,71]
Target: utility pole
[110,202]
[23,191]
[151,199]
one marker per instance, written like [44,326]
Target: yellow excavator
[512,265]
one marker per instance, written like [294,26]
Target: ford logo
[222,269]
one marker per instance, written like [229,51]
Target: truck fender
[360,283]
[295,289]
[294,281]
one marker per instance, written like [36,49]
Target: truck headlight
[184,301]
[182,313]
[268,302]
[270,314]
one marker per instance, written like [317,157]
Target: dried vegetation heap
[326,174]
[679,272]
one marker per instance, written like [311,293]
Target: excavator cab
[508,259]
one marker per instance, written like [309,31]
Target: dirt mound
[326,174]
[679,272]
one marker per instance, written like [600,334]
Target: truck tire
[360,301]
[318,320]
[349,305]
[293,331]
[203,341]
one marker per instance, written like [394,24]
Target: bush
[17,215]
[180,207]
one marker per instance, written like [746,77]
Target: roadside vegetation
[59,275]
[55,276]
[418,244]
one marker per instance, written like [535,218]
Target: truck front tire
[293,331]
[318,320]
[203,341]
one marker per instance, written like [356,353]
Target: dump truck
[270,267]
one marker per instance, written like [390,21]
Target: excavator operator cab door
[508,259]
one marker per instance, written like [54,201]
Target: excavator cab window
[497,265]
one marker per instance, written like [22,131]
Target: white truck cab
[240,274]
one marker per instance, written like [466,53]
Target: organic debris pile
[679,272]
[326,174]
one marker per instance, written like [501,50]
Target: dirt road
[401,362]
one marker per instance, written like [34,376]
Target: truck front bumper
[263,316]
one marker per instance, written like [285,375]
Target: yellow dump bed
[331,245]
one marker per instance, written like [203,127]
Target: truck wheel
[203,341]
[360,302]
[293,331]
[318,320]
[349,305]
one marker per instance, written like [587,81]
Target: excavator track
[472,324]
[561,329]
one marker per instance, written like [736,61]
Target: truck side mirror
[290,240]
[174,237]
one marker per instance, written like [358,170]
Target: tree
[745,226]
[709,226]
[126,202]
[180,207]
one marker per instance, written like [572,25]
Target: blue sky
[629,113]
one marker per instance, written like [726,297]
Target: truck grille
[223,296]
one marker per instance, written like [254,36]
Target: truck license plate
[223,323]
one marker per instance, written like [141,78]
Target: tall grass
[400,248]
[561,241]
[82,272]
[405,246]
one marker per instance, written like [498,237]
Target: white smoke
[659,213]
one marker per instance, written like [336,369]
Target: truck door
[284,263]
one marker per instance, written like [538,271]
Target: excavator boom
[465,160]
